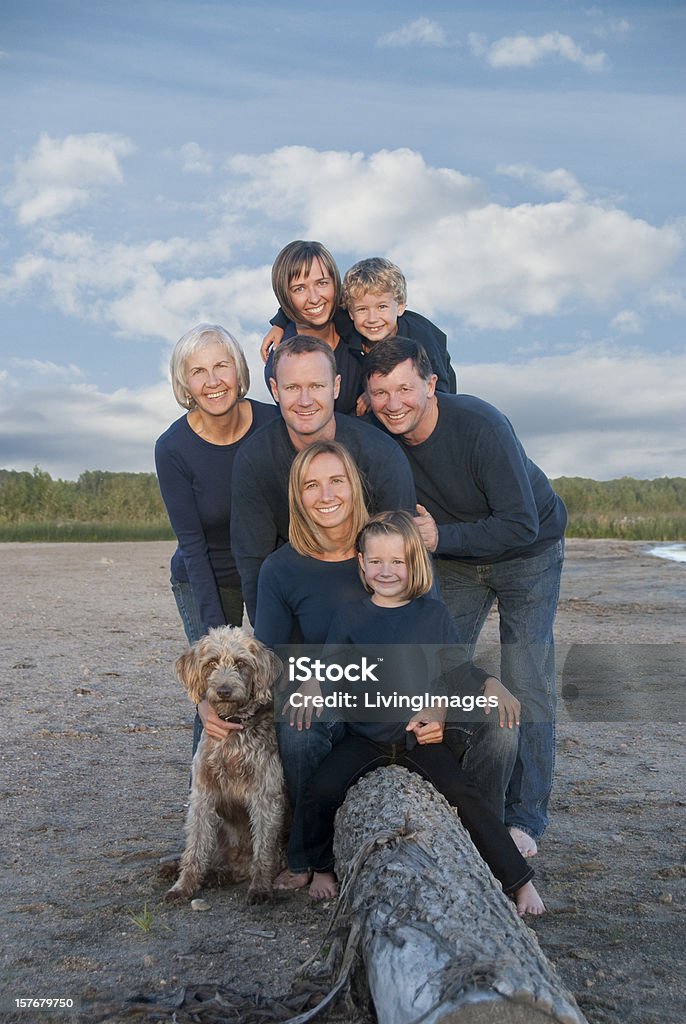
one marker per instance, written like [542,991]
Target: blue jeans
[527,591]
[301,754]
[189,610]
[487,756]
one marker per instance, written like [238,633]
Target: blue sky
[522,163]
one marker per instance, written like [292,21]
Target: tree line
[127,506]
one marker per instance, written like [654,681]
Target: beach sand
[95,756]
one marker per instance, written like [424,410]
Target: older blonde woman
[194,459]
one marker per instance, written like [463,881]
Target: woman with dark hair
[307,286]
[194,459]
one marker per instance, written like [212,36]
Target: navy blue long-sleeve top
[195,481]
[490,501]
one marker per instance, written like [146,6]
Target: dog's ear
[189,671]
[268,668]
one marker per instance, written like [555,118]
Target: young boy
[374,294]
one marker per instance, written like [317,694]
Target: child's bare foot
[324,886]
[528,901]
[524,843]
[289,881]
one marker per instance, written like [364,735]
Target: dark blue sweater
[490,501]
[195,480]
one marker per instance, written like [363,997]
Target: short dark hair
[299,345]
[386,355]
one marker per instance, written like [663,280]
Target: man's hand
[509,708]
[301,717]
[215,727]
[427,527]
[270,340]
[427,725]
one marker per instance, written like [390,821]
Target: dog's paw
[175,895]
[260,895]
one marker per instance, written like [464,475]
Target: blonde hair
[297,258]
[197,338]
[375,275]
[304,536]
[418,561]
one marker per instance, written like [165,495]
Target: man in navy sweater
[305,384]
[495,527]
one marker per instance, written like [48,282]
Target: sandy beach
[95,755]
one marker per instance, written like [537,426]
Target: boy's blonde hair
[375,274]
[419,571]
[304,536]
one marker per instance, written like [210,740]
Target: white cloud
[61,174]
[196,160]
[627,321]
[557,182]
[486,263]
[421,32]
[597,412]
[522,51]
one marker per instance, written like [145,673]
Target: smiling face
[306,390]
[211,379]
[375,315]
[404,402]
[384,564]
[312,296]
[327,492]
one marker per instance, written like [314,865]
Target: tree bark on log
[441,943]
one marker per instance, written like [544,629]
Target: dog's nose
[224,691]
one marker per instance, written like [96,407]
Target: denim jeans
[302,751]
[487,756]
[189,610]
[527,591]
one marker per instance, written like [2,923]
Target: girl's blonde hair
[305,537]
[417,558]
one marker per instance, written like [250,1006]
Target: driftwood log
[440,942]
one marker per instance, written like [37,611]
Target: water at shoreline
[674,552]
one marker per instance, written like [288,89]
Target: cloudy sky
[523,163]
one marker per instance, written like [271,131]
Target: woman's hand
[509,708]
[427,725]
[215,727]
[299,706]
[270,340]
[426,524]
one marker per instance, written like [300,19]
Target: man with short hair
[305,384]
[495,527]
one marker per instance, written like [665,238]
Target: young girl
[396,571]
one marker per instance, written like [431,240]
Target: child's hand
[270,340]
[362,405]
[427,725]
[215,727]
[301,717]
[509,707]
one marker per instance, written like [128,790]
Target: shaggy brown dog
[236,818]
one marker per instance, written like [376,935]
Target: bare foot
[524,843]
[289,881]
[528,901]
[324,886]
